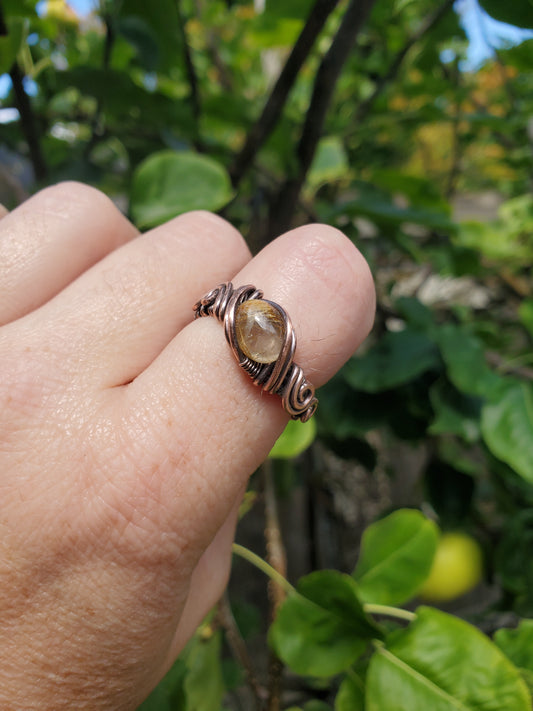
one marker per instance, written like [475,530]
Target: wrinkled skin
[128,431]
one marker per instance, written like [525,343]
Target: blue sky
[485,34]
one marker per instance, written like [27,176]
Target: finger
[132,303]
[3,211]
[208,582]
[50,239]
[201,423]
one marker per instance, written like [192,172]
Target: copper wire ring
[282,377]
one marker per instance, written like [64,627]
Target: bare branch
[277,558]
[279,95]
[191,74]
[239,649]
[325,81]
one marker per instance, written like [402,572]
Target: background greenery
[358,114]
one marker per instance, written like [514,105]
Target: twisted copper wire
[282,377]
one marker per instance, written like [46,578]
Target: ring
[263,341]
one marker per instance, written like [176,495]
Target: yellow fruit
[457,568]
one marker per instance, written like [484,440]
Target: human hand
[128,431]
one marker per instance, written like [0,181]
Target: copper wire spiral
[282,377]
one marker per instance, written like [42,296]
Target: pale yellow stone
[260,330]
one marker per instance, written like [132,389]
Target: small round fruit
[457,568]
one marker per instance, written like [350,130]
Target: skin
[128,431]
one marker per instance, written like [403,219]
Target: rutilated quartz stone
[260,330]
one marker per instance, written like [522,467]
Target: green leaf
[525,313]
[142,38]
[11,44]
[396,557]
[161,19]
[518,12]
[464,356]
[204,684]
[351,695]
[442,663]
[517,644]
[519,56]
[384,211]
[396,359]
[321,630]
[168,694]
[449,491]
[330,162]
[417,315]
[295,439]
[508,238]
[455,412]
[507,427]
[169,183]
[514,547]
[298,9]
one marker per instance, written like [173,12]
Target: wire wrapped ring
[263,341]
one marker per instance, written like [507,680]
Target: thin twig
[277,558]
[239,649]
[276,555]
[97,122]
[324,86]
[273,108]
[28,123]
[455,168]
[191,75]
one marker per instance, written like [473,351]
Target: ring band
[263,341]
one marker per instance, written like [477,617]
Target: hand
[128,431]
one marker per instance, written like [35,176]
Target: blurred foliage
[156,103]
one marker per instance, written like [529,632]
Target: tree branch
[279,94]
[28,121]
[277,558]
[325,81]
[398,60]
[191,76]
[239,649]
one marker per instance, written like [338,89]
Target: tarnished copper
[282,377]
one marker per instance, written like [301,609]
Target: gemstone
[260,330]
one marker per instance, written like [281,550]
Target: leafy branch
[397,62]
[28,120]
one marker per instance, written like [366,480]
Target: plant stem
[277,558]
[263,566]
[369,608]
[239,649]
[191,76]
[388,611]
